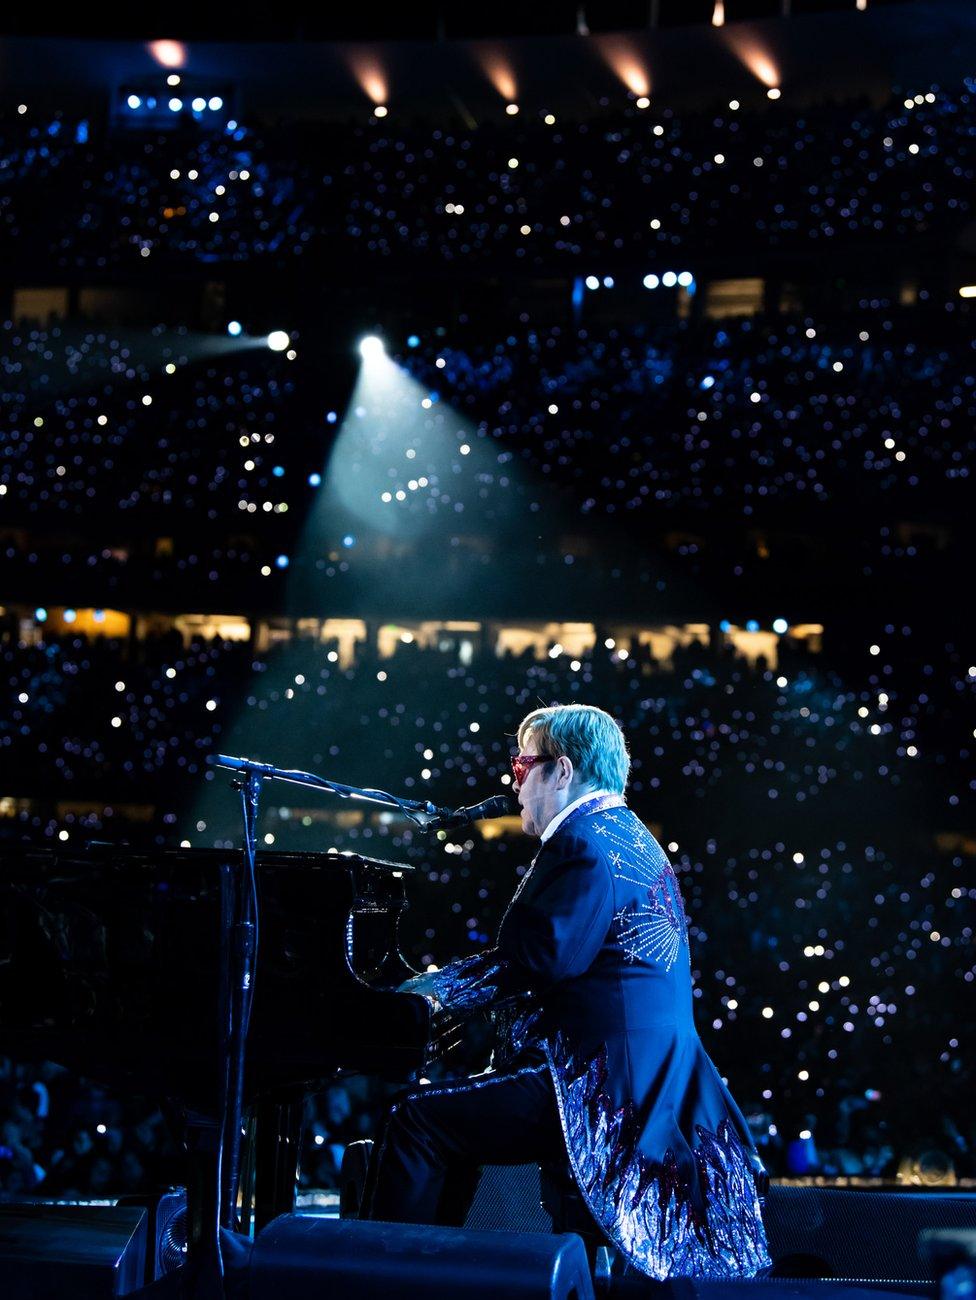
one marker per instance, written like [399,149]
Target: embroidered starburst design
[647,933]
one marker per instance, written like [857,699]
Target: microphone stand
[237,973]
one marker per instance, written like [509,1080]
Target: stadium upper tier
[535,193]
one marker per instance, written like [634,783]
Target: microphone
[499,805]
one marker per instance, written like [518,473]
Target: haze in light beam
[750,52]
[624,59]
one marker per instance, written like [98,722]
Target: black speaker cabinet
[858,1234]
[85,1252]
[298,1256]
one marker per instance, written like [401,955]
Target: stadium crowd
[817,809]
[530,189]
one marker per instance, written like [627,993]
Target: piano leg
[278,1121]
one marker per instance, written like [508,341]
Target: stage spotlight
[371,348]
[278,340]
[380,110]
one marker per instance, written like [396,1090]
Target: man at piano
[599,1064]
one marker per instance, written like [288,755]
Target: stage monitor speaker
[166,1229]
[863,1235]
[85,1252]
[301,1255]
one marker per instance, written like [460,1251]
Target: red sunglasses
[522,765]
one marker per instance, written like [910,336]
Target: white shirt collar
[560,817]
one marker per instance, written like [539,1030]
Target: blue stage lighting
[413,341]
[278,471]
[780,626]
[708,382]
[752,625]
[234,327]
[725,625]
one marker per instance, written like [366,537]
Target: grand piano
[113,962]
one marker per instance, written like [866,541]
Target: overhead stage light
[278,340]
[371,347]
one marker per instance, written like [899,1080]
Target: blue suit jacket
[596,942]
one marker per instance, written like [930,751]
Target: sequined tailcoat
[657,1146]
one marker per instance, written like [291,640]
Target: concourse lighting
[968,291]
[171,54]
[371,347]
[278,340]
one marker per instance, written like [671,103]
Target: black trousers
[426,1158]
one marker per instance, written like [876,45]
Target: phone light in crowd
[134,101]
[752,625]
[685,279]
[608,282]
[780,626]
[234,328]
[70,615]
[592,282]
[281,562]
[278,340]
[315,480]
[413,341]
[175,104]
[371,348]
[669,279]
[171,54]
[40,614]
[651,281]
[380,110]
[198,104]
